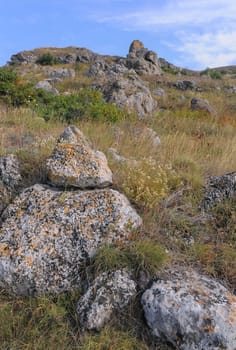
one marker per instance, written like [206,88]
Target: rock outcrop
[47,235]
[109,293]
[74,163]
[185,85]
[218,189]
[199,104]
[142,60]
[192,312]
[10,179]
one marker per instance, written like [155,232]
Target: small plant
[149,182]
[110,258]
[111,339]
[47,59]
[145,255]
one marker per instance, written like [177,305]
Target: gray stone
[47,235]
[109,293]
[131,93]
[199,104]
[159,92]
[10,179]
[218,189]
[60,73]
[74,163]
[192,312]
[142,60]
[46,86]
[185,85]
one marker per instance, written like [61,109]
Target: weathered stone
[74,163]
[185,85]
[192,312]
[47,235]
[147,135]
[10,178]
[159,92]
[60,73]
[46,86]
[199,104]
[218,189]
[142,60]
[109,293]
[136,45]
[131,93]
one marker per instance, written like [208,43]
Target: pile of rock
[48,233]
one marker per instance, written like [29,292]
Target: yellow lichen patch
[4,249]
[28,261]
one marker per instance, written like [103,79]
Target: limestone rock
[74,163]
[10,178]
[218,189]
[46,86]
[192,312]
[131,93]
[185,85]
[142,60]
[47,235]
[109,293]
[60,73]
[199,104]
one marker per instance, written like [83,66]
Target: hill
[132,246]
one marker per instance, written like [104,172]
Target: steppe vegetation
[193,147]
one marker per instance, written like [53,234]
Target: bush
[148,183]
[87,104]
[47,59]
[212,73]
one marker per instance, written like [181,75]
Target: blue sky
[190,33]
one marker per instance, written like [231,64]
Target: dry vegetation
[193,146]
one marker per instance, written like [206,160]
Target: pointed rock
[47,235]
[74,163]
[10,178]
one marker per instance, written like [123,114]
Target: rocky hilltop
[140,232]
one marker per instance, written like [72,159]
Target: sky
[194,34]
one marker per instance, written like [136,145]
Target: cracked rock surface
[192,312]
[110,292]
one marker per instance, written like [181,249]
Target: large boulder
[185,85]
[192,312]
[47,236]
[74,163]
[131,93]
[109,293]
[199,104]
[218,189]
[10,179]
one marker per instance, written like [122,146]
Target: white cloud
[208,49]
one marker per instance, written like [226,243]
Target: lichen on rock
[192,312]
[47,235]
[110,292]
[74,163]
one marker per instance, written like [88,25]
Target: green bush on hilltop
[47,59]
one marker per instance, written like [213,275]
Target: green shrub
[47,59]
[212,73]
[87,104]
